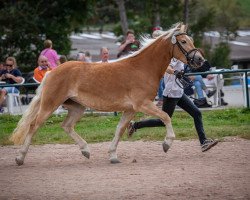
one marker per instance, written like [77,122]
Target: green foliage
[245,20]
[141,15]
[26,24]
[220,55]
[200,20]
[217,123]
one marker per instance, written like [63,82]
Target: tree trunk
[186,11]
[157,17]
[123,16]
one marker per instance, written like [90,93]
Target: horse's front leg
[122,125]
[148,107]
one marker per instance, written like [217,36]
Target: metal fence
[227,71]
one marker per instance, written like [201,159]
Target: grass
[93,128]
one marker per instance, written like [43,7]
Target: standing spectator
[42,69]
[12,75]
[104,54]
[157,31]
[173,95]
[129,45]
[51,54]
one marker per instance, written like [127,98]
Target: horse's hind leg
[75,112]
[23,151]
[41,117]
[125,119]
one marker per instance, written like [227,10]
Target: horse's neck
[155,58]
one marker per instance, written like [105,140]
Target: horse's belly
[104,104]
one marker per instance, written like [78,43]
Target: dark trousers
[168,106]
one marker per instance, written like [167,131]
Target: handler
[174,95]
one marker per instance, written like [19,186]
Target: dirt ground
[146,172]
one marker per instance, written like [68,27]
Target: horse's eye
[183,42]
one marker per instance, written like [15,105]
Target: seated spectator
[51,54]
[2,68]
[129,45]
[216,80]
[81,56]
[88,57]
[42,69]
[11,75]
[63,59]
[200,85]
[104,54]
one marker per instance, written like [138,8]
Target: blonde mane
[148,41]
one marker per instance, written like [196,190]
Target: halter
[190,60]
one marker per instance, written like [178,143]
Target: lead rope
[183,82]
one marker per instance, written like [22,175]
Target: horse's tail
[19,134]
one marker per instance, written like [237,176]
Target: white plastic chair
[215,84]
[14,99]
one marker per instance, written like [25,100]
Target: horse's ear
[186,28]
[183,27]
[179,25]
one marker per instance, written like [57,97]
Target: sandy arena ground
[146,172]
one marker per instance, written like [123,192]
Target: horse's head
[184,49]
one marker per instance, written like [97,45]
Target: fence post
[246,88]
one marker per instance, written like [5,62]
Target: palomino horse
[128,85]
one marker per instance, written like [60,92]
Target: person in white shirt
[174,95]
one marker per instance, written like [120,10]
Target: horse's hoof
[86,154]
[114,161]
[19,161]
[165,147]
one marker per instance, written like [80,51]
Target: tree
[220,55]
[186,12]
[26,24]
[123,16]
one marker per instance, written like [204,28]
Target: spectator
[81,56]
[129,45]
[51,54]
[42,69]
[200,87]
[2,68]
[173,95]
[11,75]
[157,32]
[104,54]
[211,79]
[88,57]
[200,83]
[63,59]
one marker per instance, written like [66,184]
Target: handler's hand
[178,74]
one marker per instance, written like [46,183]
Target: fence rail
[227,71]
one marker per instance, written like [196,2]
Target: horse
[128,85]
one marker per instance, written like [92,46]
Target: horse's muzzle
[195,59]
